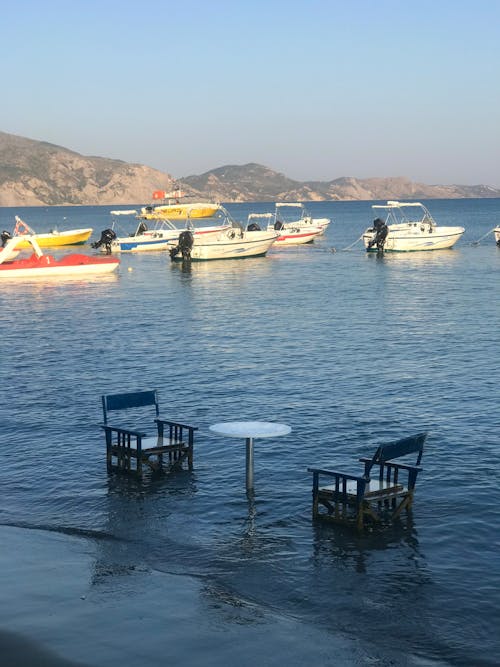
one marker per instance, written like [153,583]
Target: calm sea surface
[348,349]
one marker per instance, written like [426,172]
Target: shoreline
[64,606]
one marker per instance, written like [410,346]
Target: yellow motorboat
[53,238]
[179,211]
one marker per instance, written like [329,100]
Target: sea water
[349,349]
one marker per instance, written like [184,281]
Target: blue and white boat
[157,236]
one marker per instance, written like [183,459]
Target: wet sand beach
[61,608]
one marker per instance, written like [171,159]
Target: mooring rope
[484,236]
[352,244]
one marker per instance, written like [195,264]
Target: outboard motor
[5,236]
[184,246]
[278,225]
[107,237]
[253,227]
[381,230]
[141,229]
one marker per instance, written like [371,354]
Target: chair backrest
[136,399]
[399,448]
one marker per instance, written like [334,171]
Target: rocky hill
[36,173]
[253,182]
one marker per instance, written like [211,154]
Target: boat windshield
[289,212]
[404,213]
[220,218]
[140,228]
[256,221]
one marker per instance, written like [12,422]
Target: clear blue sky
[315,89]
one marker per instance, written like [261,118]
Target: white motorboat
[295,215]
[158,235]
[407,227]
[496,231]
[233,243]
[288,235]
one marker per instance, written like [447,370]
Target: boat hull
[57,239]
[46,265]
[140,244]
[297,237]
[497,235]
[320,224]
[224,246]
[155,240]
[181,211]
[413,239]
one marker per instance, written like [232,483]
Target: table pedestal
[250,430]
[249,464]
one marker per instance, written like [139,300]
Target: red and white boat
[287,235]
[40,265]
[295,214]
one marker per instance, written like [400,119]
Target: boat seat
[130,449]
[376,496]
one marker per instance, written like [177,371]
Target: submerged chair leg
[360,518]
[315,495]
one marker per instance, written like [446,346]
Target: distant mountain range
[37,173]
[253,182]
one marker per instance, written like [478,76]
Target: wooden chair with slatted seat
[129,449]
[381,493]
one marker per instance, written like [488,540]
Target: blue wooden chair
[382,492]
[128,449]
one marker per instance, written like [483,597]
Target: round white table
[250,430]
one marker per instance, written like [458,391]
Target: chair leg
[360,510]
[315,506]
[404,504]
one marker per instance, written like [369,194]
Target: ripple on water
[349,350]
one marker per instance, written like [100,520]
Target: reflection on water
[252,513]
[415,260]
[136,513]
[228,272]
[43,284]
[350,550]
